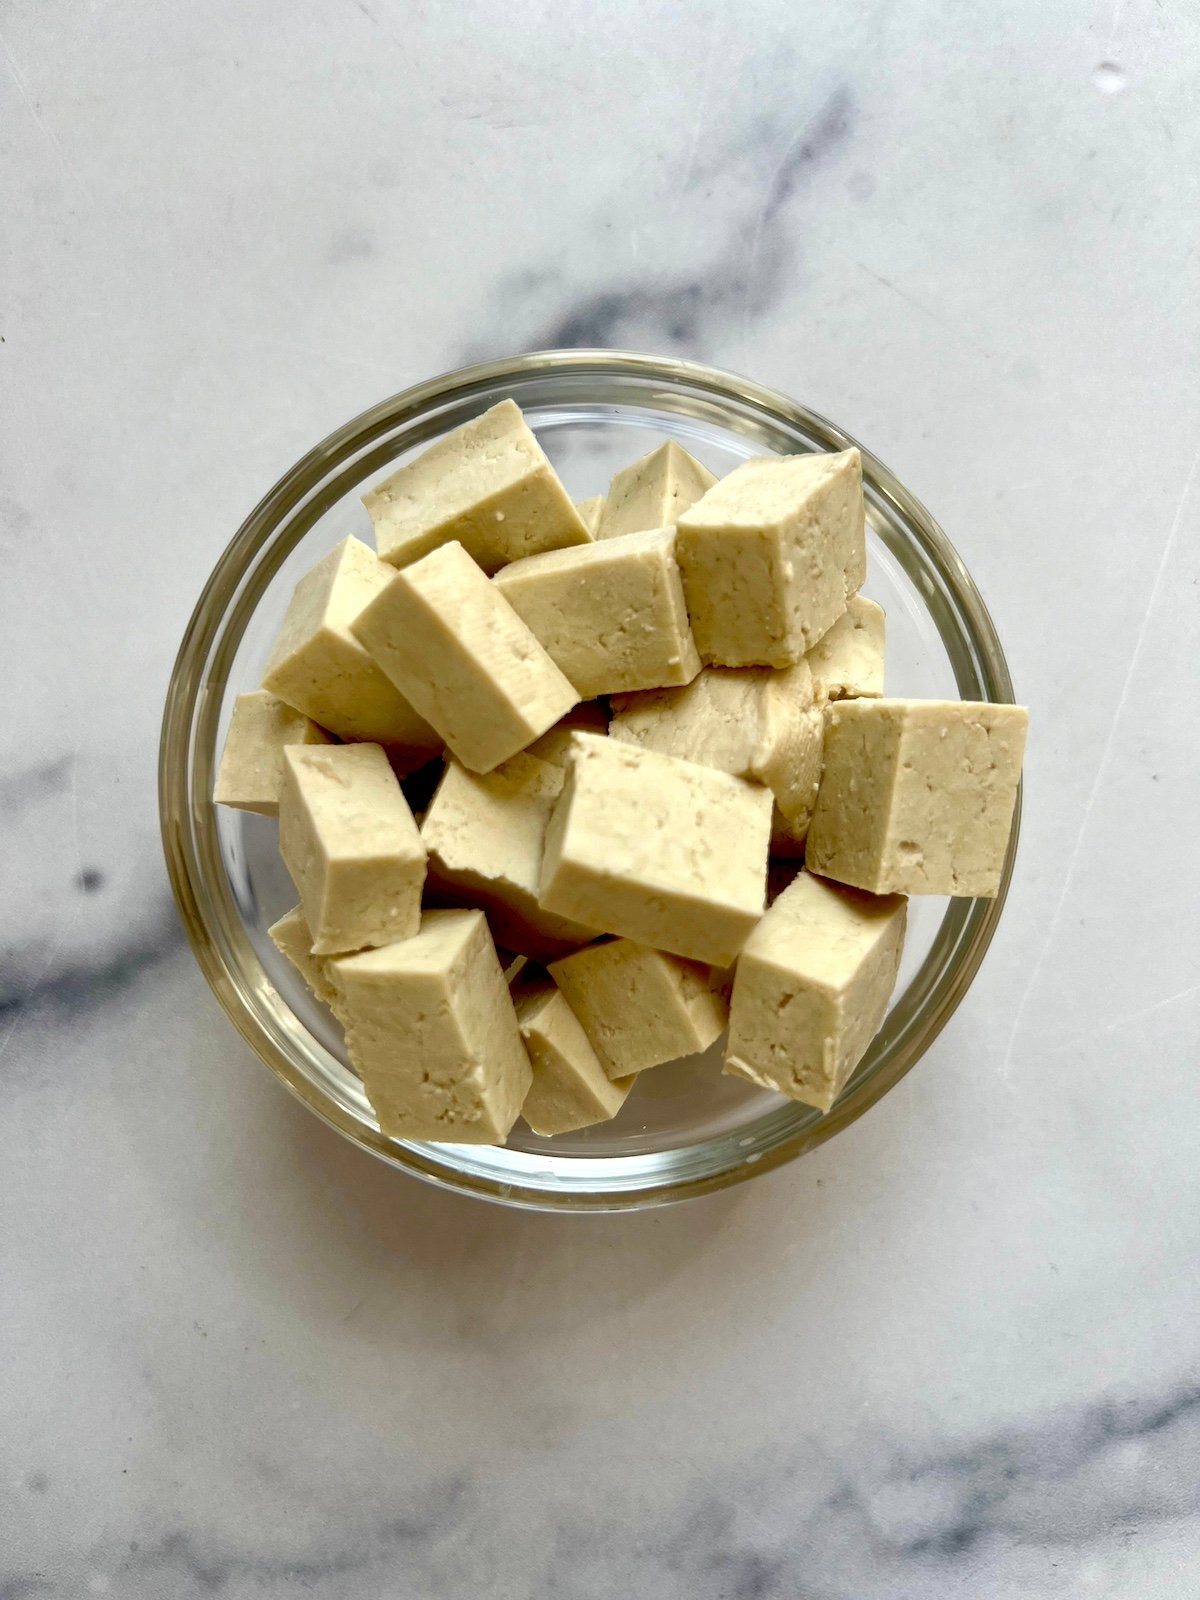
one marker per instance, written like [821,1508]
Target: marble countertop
[954,1352]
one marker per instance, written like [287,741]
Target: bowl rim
[976,920]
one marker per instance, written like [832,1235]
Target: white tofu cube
[451,642]
[658,850]
[319,667]
[251,771]
[847,662]
[488,486]
[640,1007]
[589,716]
[350,843]
[485,834]
[590,512]
[770,555]
[292,937]
[917,796]
[431,1028]
[812,988]
[611,615]
[751,722]
[570,1088]
[653,491]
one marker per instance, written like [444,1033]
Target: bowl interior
[685,1126]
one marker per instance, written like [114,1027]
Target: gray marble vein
[1022,1505]
[81,984]
[688,310]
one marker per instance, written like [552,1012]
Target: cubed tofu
[752,722]
[430,1026]
[658,850]
[640,1007]
[319,667]
[589,716]
[770,555]
[451,642]
[653,491]
[350,843]
[590,511]
[917,796]
[611,615]
[847,662]
[292,937]
[812,988]
[488,486]
[570,1088]
[485,834]
[251,772]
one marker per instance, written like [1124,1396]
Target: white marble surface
[955,1351]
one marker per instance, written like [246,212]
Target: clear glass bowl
[685,1129]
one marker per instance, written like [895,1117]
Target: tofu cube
[350,843]
[611,615]
[917,796]
[570,1088]
[589,716]
[292,937]
[847,662]
[770,555]
[319,667]
[590,511]
[251,771]
[640,1007]
[454,646]
[751,722]
[812,988]
[653,491]
[485,834]
[431,1028]
[488,486]
[658,850]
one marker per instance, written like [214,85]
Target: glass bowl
[686,1128]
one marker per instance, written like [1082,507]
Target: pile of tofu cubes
[533,763]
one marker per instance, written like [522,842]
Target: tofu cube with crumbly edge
[812,988]
[488,486]
[431,1028]
[653,492]
[847,662]
[611,615]
[662,851]
[251,771]
[640,1007]
[318,666]
[452,644]
[350,843]
[590,512]
[292,937]
[752,722]
[570,1088]
[770,555]
[917,796]
[485,834]
[589,716]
